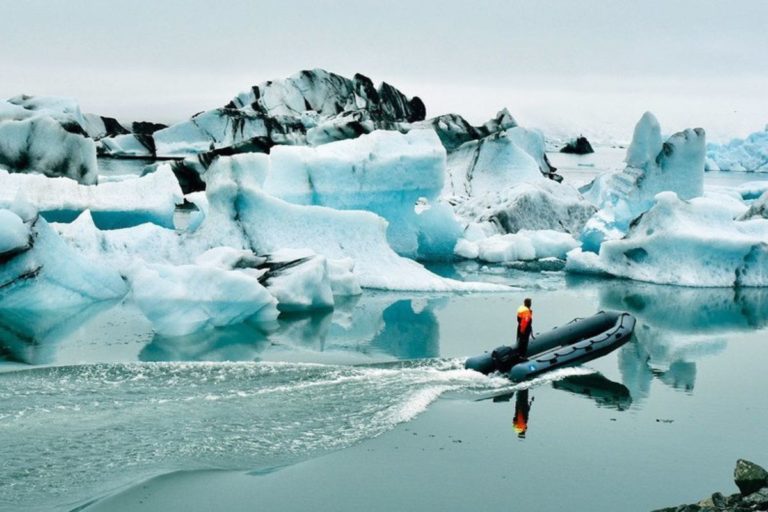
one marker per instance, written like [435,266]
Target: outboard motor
[504,358]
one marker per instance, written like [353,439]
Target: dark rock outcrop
[752,481]
[578,146]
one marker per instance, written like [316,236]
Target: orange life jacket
[524,318]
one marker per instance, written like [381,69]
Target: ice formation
[691,243]
[384,172]
[242,215]
[310,107]
[181,299]
[521,246]
[758,208]
[152,198]
[39,271]
[40,144]
[750,154]
[541,204]
[653,166]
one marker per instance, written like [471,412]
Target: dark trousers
[522,344]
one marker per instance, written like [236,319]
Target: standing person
[524,327]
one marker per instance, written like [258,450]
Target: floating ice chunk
[44,273]
[525,245]
[676,165]
[152,198]
[40,145]
[184,299]
[383,172]
[299,280]
[691,243]
[750,154]
[128,145]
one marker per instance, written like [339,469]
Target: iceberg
[383,172]
[311,107]
[40,272]
[690,243]
[152,198]
[182,299]
[242,215]
[66,112]
[746,155]
[41,145]
[653,166]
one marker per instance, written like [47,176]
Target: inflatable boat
[576,342]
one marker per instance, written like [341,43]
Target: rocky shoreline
[752,481]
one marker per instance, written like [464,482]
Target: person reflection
[522,409]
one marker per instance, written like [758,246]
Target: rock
[749,477]
[758,499]
[578,146]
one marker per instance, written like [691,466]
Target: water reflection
[32,336]
[689,310]
[362,329]
[677,326]
[241,342]
[522,412]
[595,386]
[604,392]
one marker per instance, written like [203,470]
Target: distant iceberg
[746,155]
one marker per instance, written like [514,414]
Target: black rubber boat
[576,342]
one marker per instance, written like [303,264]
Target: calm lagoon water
[92,405]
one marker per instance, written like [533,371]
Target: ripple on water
[73,432]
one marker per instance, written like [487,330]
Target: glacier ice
[489,164]
[758,208]
[310,107]
[242,215]
[181,299]
[653,166]
[542,204]
[41,145]
[382,172]
[44,273]
[750,154]
[152,198]
[691,243]
[524,245]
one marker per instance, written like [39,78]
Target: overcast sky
[561,65]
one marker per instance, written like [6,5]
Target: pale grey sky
[562,65]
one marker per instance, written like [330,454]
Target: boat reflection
[595,386]
[604,392]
